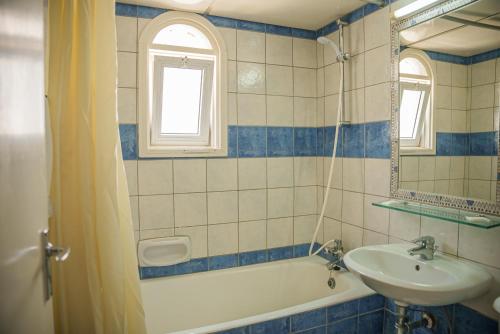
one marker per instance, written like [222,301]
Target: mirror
[446,102]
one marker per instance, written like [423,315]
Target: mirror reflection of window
[415,82]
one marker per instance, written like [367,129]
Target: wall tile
[304,82]
[279,111]
[222,174]
[131,171]
[279,142]
[251,78]
[279,232]
[251,46]
[305,141]
[222,207]
[304,53]
[252,235]
[279,80]
[278,50]
[156,211]
[190,175]
[252,173]
[222,239]
[198,236]
[126,105]
[279,172]
[252,204]
[305,201]
[190,209]
[127,69]
[280,202]
[251,141]
[229,36]
[155,177]
[128,139]
[251,109]
[126,33]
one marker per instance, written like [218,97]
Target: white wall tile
[251,46]
[354,75]
[377,101]
[190,209]
[156,233]
[354,41]
[251,109]
[375,218]
[304,111]
[251,78]
[155,177]
[252,204]
[443,73]
[355,106]
[252,173]
[377,28]
[479,245]
[332,75]
[303,230]
[222,207]
[371,238]
[222,174]
[377,69]
[305,171]
[126,105]
[279,80]
[352,208]
[232,77]
[279,110]
[126,33]
[404,226]
[332,229]
[190,175]
[353,171]
[222,239]
[280,172]
[199,238]
[377,176]
[352,237]
[304,82]
[334,206]
[304,53]
[458,75]
[305,201]
[131,172]
[482,96]
[156,211]
[278,50]
[483,73]
[229,36]
[232,109]
[279,232]
[134,208]
[127,69]
[280,202]
[252,235]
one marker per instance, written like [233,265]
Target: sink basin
[392,272]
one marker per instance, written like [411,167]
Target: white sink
[392,272]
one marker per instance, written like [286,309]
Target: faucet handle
[426,241]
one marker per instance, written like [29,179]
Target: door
[23,172]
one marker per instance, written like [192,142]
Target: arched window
[415,108]
[182,88]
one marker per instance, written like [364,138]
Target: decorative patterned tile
[305,141]
[308,320]
[341,311]
[371,322]
[277,326]
[254,257]
[222,261]
[353,141]
[279,141]
[251,141]
[378,140]
[128,138]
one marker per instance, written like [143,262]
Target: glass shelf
[451,215]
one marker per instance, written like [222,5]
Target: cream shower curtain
[97,289]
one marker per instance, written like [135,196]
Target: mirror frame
[440,200]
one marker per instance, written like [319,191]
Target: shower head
[341,56]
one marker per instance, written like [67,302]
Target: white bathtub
[217,300]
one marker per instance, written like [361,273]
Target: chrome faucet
[338,252]
[426,247]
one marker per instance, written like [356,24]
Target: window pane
[181,101]
[410,102]
[412,66]
[182,35]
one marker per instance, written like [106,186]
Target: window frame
[426,143]
[160,62]
[149,143]
[421,112]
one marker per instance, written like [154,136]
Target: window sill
[183,153]
[416,151]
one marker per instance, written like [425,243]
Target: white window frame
[425,140]
[152,58]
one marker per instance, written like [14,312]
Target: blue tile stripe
[123,9]
[366,140]
[365,313]
[228,261]
[467,144]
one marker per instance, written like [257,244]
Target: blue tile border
[467,144]
[227,261]
[128,139]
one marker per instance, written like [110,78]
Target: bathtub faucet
[338,253]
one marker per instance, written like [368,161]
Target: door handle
[59,254]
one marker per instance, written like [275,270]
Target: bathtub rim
[357,291]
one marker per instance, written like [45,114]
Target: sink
[392,272]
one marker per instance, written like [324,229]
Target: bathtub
[222,299]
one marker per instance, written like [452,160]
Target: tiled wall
[264,195]
[466,112]
[242,204]
[359,182]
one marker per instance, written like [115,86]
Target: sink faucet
[338,252]
[425,248]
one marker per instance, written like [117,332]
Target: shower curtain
[97,289]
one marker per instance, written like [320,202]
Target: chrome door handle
[60,254]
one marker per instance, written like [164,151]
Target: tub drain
[331,283]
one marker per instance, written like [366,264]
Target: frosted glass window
[181,103]
[182,35]
[409,111]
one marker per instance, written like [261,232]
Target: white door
[23,175]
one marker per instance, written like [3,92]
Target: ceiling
[305,14]
[448,36]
